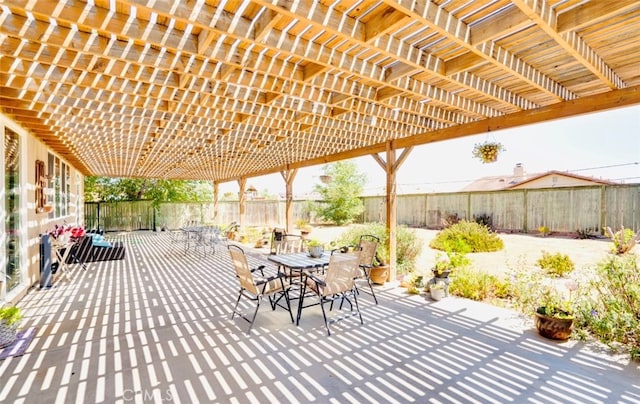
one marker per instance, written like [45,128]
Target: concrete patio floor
[156,327]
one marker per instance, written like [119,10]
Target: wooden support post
[289,175]
[391,166]
[216,199]
[242,182]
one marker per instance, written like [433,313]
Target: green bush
[556,265]
[476,285]
[612,313]
[623,240]
[408,246]
[466,236]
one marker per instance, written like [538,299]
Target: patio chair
[256,287]
[368,245]
[337,283]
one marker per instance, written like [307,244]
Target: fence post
[525,218]
[603,208]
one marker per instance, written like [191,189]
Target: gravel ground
[520,251]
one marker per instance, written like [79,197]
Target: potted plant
[445,265]
[316,248]
[9,320]
[551,306]
[437,290]
[488,151]
[380,271]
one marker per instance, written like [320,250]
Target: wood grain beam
[600,102]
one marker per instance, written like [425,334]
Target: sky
[603,145]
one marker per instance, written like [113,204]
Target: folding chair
[337,283]
[256,287]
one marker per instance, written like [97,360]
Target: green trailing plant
[623,240]
[611,311]
[465,234]
[556,265]
[10,315]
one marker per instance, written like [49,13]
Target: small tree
[341,194]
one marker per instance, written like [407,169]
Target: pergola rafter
[227,89]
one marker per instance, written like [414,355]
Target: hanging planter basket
[488,151]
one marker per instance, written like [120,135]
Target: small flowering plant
[487,151]
[534,292]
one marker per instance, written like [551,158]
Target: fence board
[524,210]
[506,208]
[441,206]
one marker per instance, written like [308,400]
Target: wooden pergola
[228,90]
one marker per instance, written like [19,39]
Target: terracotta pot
[554,328]
[379,274]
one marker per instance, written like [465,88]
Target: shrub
[612,313]
[408,246]
[476,285]
[450,219]
[544,231]
[465,234]
[556,265]
[484,219]
[623,240]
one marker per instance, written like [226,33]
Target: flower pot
[553,327]
[442,275]
[437,293]
[316,251]
[379,274]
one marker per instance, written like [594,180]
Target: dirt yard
[520,251]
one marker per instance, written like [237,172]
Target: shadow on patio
[156,327]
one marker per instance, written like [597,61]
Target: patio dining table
[299,262]
[303,263]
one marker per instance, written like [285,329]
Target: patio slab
[156,327]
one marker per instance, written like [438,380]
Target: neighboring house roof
[500,182]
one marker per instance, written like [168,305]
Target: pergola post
[242,183]
[289,175]
[391,166]
[216,198]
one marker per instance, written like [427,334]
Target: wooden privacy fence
[565,210]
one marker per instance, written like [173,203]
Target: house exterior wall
[554,181]
[32,223]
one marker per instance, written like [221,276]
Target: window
[12,208]
[60,183]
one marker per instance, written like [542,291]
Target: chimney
[518,171]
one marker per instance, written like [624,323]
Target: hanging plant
[488,151]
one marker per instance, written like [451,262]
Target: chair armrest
[260,268]
[314,278]
[262,280]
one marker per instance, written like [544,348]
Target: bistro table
[298,262]
[303,263]
[192,233]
